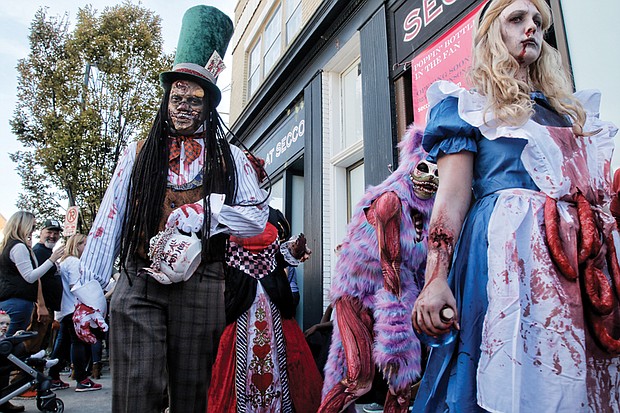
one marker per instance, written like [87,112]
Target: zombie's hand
[86,319]
[187,218]
[299,248]
[426,316]
[295,250]
[90,310]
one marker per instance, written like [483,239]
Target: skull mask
[425,178]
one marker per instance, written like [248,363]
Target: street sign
[71,219]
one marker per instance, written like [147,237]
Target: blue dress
[449,383]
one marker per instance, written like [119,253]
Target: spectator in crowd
[80,352]
[20,276]
[318,338]
[51,285]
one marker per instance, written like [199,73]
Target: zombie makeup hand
[186,106]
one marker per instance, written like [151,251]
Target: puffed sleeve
[446,132]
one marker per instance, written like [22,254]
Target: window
[351,95]
[355,187]
[273,41]
[343,145]
[254,72]
[277,195]
[293,19]
[282,24]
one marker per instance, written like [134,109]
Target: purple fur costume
[358,274]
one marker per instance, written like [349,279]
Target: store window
[343,143]
[355,187]
[351,90]
[277,195]
[403,103]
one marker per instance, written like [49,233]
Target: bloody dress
[524,345]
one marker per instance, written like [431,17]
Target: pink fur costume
[359,274]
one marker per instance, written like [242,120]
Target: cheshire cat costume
[379,274]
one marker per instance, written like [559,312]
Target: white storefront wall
[593,42]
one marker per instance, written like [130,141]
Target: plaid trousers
[164,340]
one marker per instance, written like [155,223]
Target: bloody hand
[187,218]
[86,319]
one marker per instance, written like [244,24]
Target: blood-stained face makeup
[521,24]
[186,106]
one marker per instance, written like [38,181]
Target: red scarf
[192,151]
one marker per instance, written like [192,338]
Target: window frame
[277,40]
[351,203]
[257,71]
[284,12]
[289,17]
[348,107]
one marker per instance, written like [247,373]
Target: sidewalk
[99,401]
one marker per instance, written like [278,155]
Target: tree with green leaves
[83,95]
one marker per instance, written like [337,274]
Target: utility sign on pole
[71,220]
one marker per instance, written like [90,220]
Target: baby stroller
[47,401]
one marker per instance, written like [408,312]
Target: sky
[15,20]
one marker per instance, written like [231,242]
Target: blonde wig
[71,249]
[493,72]
[19,227]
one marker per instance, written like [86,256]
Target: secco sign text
[416,21]
[285,142]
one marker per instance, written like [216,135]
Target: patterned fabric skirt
[268,364]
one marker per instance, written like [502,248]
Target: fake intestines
[379,274]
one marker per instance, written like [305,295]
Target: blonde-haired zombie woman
[525,267]
[20,272]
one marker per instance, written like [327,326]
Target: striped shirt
[103,246]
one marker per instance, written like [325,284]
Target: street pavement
[99,401]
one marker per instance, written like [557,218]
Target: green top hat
[205,33]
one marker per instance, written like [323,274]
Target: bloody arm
[451,205]
[384,214]
[355,324]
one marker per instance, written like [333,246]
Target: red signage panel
[448,58]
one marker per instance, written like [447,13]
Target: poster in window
[447,58]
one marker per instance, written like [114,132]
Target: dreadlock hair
[149,180]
